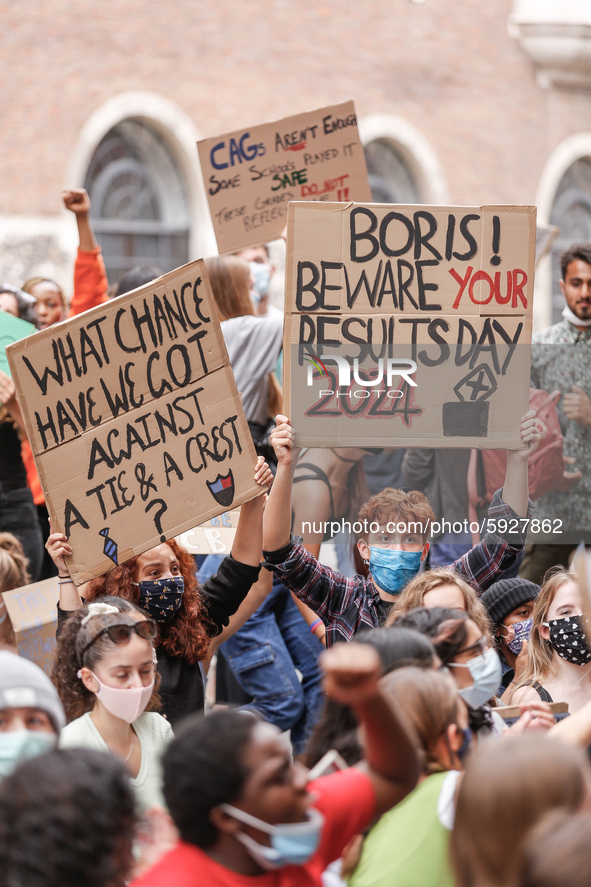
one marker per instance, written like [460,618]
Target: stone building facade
[459,101]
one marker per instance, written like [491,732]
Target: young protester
[31,714]
[243,809]
[262,270]
[507,788]
[253,342]
[18,514]
[105,675]
[18,303]
[66,820]
[51,305]
[409,845]
[510,603]
[558,667]
[337,727]
[191,622]
[343,604]
[441,587]
[474,665]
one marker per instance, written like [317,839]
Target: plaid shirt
[348,605]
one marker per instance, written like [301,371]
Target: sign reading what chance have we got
[408,325]
[252,174]
[134,420]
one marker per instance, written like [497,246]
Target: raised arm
[248,541]
[58,547]
[515,489]
[351,675]
[277,518]
[90,279]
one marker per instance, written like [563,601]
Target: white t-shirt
[154,733]
[253,345]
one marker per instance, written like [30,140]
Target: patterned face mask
[161,598]
[522,632]
[569,639]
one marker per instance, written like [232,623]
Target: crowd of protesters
[410,720]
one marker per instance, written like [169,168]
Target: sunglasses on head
[120,633]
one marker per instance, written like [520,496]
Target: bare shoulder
[524,694]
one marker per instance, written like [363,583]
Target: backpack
[545,466]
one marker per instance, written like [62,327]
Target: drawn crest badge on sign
[222,489]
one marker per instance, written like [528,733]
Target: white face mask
[128,703]
[292,843]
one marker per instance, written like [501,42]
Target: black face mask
[569,639]
[161,598]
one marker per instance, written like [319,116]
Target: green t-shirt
[408,846]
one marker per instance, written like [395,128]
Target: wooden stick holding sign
[134,420]
[252,174]
[408,325]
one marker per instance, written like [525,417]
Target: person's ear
[544,632]
[455,737]
[425,550]
[223,822]
[363,549]
[272,268]
[89,680]
[562,287]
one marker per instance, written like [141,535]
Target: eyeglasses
[480,647]
[120,633]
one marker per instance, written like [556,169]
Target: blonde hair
[33,281]
[414,594]
[13,563]
[541,662]
[428,701]
[507,788]
[229,276]
[13,574]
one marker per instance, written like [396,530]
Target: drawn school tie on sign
[408,325]
[252,174]
[134,420]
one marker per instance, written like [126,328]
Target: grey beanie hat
[24,685]
[506,595]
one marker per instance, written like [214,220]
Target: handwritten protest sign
[251,175]
[33,614]
[215,536]
[134,420]
[12,329]
[408,325]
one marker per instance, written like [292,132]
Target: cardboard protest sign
[134,420]
[215,536]
[251,175]
[408,325]
[32,611]
[12,329]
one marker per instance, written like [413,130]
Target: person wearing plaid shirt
[348,605]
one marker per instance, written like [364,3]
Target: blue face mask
[292,843]
[161,598]
[486,671]
[19,745]
[261,277]
[392,570]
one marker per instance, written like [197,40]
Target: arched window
[571,213]
[390,177]
[139,201]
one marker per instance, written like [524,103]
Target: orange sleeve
[90,281]
[32,476]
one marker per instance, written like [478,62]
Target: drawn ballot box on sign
[408,325]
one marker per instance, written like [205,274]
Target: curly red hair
[189,631]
